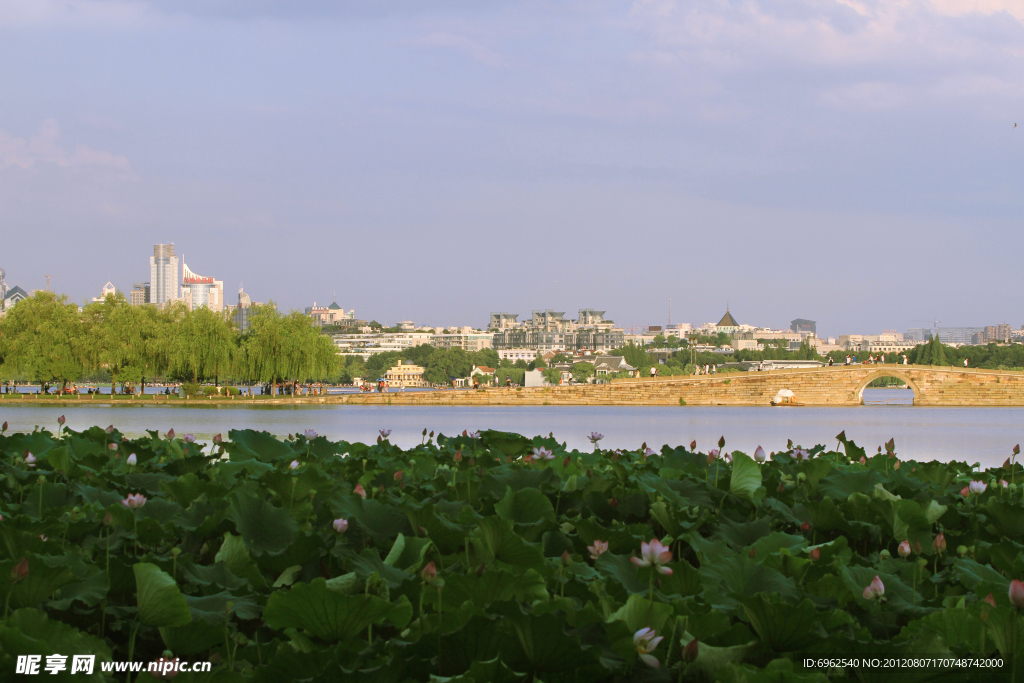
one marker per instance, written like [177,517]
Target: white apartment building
[468,342]
[365,345]
[517,354]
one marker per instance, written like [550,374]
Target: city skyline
[838,162]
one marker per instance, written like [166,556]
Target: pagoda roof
[727,320]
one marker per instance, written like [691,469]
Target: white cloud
[44,148]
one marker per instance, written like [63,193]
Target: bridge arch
[898,374]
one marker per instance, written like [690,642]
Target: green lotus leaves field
[495,557]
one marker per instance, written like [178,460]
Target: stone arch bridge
[826,386]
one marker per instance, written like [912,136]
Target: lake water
[984,435]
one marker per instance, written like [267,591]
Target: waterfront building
[468,342]
[405,374]
[139,294]
[331,315]
[610,365]
[801,325]
[108,288]
[550,330]
[365,345]
[954,336]
[875,345]
[503,321]
[163,275]
[514,355]
[727,324]
[197,290]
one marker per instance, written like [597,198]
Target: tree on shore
[42,338]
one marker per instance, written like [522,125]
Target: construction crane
[48,281]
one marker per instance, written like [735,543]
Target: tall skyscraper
[197,290]
[241,314]
[163,275]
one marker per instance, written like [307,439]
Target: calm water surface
[984,435]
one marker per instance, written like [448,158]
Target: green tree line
[47,339]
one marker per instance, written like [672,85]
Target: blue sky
[849,162]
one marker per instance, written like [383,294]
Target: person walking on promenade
[830,361]
[847,359]
[882,357]
[760,366]
[904,359]
[714,369]
[965,362]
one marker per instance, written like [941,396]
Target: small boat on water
[785,398]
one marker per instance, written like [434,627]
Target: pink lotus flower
[863,460]
[595,437]
[340,525]
[19,572]
[645,641]
[1003,483]
[189,438]
[965,491]
[977,487]
[759,455]
[474,435]
[875,589]
[458,456]
[1016,593]
[904,549]
[217,439]
[360,491]
[429,573]
[384,433]
[398,475]
[542,453]
[170,432]
[654,554]
[990,600]
[648,452]
[60,420]
[110,429]
[815,554]
[30,460]
[134,501]
[600,547]
[713,455]
[940,543]
[132,460]
[294,465]
[112,446]
[801,454]
[310,434]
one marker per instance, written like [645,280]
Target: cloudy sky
[853,162]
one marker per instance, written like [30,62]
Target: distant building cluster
[550,330]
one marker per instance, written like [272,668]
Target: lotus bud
[20,571]
[170,432]
[904,549]
[131,460]
[458,456]
[107,519]
[4,429]
[897,465]
[1016,593]
[340,525]
[384,433]
[424,431]
[690,651]
[294,465]
[429,573]
[110,429]
[189,438]
[1016,449]
[398,475]
[874,590]
[759,455]
[30,460]
[721,442]
[805,526]
[566,558]
[60,420]
[360,491]
[990,600]
[863,460]
[380,489]
[815,554]
[977,487]
[965,491]
[217,439]
[1003,483]
[781,488]
[693,444]
[431,433]
[613,502]
[940,543]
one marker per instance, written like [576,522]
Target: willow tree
[199,343]
[42,338]
[127,340]
[281,347]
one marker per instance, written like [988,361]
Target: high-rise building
[163,274]
[108,288]
[197,290]
[801,325]
[139,294]
[241,314]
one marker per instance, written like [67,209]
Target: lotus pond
[493,556]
